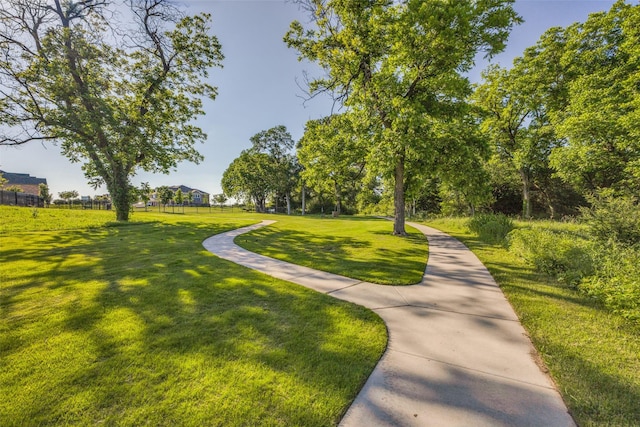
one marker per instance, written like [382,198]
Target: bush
[492,228]
[565,256]
[616,281]
[613,218]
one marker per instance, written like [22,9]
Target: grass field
[593,354]
[137,324]
[104,323]
[358,247]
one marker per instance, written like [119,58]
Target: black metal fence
[15,198]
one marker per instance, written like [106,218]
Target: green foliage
[220,199]
[613,222]
[249,177]
[600,257]
[515,119]
[397,67]
[565,256]
[492,228]
[277,144]
[178,197]
[613,217]
[144,192]
[565,115]
[119,95]
[267,168]
[43,192]
[333,159]
[600,60]
[165,195]
[616,281]
[14,188]
[68,196]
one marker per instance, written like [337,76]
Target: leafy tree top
[117,89]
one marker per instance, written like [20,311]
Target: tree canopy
[332,157]
[516,121]
[117,91]
[601,73]
[267,168]
[249,177]
[397,67]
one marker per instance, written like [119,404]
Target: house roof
[27,183]
[21,179]
[186,189]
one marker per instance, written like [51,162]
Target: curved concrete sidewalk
[457,354]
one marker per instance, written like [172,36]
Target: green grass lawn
[138,324]
[358,247]
[104,323]
[593,354]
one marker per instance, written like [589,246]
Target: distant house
[200,198]
[29,184]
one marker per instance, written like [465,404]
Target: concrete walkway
[457,354]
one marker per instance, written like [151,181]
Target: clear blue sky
[258,89]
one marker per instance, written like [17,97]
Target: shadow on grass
[149,327]
[596,397]
[339,254]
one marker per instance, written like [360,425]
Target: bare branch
[13,141]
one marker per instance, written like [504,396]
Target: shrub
[562,255]
[492,228]
[613,218]
[616,281]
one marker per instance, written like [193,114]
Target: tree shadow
[335,254]
[149,326]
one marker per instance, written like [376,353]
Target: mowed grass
[13,218]
[592,354]
[358,247]
[137,324]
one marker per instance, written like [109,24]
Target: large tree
[517,123]
[250,176]
[277,144]
[462,172]
[397,66]
[599,120]
[117,87]
[332,158]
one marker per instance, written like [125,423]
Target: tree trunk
[526,194]
[398,198]
[260,204]
[288,199]
[304,202]
[547,198]
[119,190]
